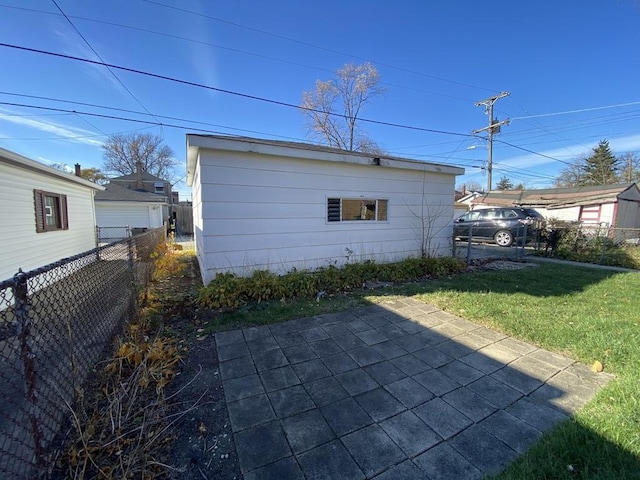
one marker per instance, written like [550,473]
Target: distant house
[607,205]
[47,214]
[118,207]
[464,199]
[271,205]
[139,208]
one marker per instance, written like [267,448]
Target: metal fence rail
[598,244]
[56,322]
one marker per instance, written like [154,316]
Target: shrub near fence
[602,245]
[56,322]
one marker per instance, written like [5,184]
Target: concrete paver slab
[251,443]
[445,420]
[339,363]
[269,360]
[442,462]
[285,469]
[278,378]
[346,416]
[407,470]
[516,433]
[410,433]
[495,392]
[436,382]
[399,390]
[311,370]
[483,450]
[379,404]
[249,412]
[409,392]
[469,404]
[410,364]
[307,430]
[326,390]
[384,372]
[291,400]
[356,381]
[330,462]
[372,449]
[243,387]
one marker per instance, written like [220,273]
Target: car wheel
[504,238]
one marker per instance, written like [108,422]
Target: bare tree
[431,221]
[333,108]
[92,174]
[123,153]
[630,163]
[471,186]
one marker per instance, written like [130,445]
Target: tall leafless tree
[122,153]
[333,108]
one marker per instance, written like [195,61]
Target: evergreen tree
[602,167]
[504,184]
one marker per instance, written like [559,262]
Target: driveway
[400,390]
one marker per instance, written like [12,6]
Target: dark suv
[501,225]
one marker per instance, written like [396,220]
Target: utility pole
[494,127]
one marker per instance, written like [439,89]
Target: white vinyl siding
[254,211]
[22,246]
[132,214]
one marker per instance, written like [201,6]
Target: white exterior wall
[266,212]
[132,214]
[22,247]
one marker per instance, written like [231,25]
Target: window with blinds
[356,209]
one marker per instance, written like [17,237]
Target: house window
[356,209]
[158,187]
[51,211]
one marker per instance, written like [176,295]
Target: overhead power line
[566,112]
[221,90]
[137,100]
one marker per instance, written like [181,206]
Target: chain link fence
[56,322]
[597,244]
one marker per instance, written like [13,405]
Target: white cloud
[568,153]
[73,134]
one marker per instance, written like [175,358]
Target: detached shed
[47,214]
[271,205]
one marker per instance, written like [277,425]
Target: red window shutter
[38,197]
[64,216]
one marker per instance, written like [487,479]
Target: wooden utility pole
[494,127]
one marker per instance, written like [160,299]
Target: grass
[584,313]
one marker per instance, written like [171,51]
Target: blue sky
[572,69]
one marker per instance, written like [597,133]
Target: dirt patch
[494,264]
[203,447]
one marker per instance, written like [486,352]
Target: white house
[118,207]
[47,214]
[271,205]
[607,205]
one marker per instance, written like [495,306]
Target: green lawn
[587,314]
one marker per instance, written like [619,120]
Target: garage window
[356,209]
[50,211]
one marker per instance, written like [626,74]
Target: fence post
[469,244]
[23,320]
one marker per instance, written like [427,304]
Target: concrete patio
[400,390]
